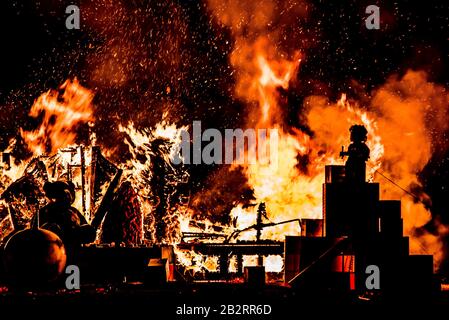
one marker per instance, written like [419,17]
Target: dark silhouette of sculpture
[33,258]
[358,154]
[61,218]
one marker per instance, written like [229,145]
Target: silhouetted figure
[358,154]
[61,218]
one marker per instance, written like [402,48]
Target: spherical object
[34,257]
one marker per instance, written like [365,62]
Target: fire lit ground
[105,106]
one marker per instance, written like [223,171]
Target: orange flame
[395,119]
[61,115]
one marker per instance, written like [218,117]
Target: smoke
[409,113]
[412,114]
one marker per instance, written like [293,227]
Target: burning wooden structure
[100,192]
[332,253]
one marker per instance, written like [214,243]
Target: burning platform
[330,254]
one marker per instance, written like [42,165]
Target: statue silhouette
[61,218]
[358,154]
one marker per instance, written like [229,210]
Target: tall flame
[141,168]
[395,119]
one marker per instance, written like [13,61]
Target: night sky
[130,52]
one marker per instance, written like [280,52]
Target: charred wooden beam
[83,180]
[93,170]
[245,248]
[202,235]
[106,201]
